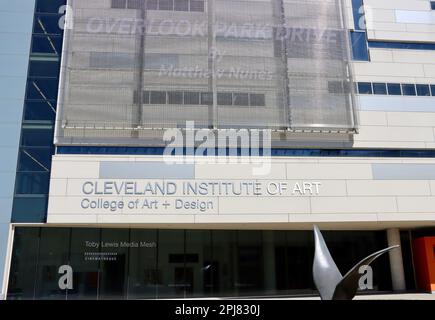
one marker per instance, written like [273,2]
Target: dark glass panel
[257,100]
[181,5]
[191,98]
[40,68]
[47,24]
[119,4]
[409,90]
[250,276]
[42,110]
[380,88]
[49,6]
[23,263]
[241,99]
[225,99]
[224,263]
[197,5]
[53,253]
[152,4]
[35,159]
[113,263]
[29,209]
[84,259]
[143,274]
[158,97]
[35,136]
[171,276]
[166,4]
[394,89]
[47,44]
[175,97]
[200,268]
[423,90]
[360,51]
[365,88]
[42,89]
[32,183]
[207,98]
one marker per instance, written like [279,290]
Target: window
[207,98]
[358,14]
[225,99]
[197,5]
[359,46]
[181,5]
[365,88]
[146,97]
[432,5]
[408,89]
[191,98]
[423,90]
[432,88]
[394,89]
[335,87]
[134,4]
[257,100]
[379,88]
[166,5]
[241,99]
[175,97]
[152,4]
[119,4]
[158,97]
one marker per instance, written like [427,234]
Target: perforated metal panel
[131,66]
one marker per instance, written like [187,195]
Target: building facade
[186,148]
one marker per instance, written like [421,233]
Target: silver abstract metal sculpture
[328,279]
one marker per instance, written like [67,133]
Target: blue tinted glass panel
[274,152]
[432,89]
[35,159]
[47,44]
[40,110]
[432,5]
[365,88]
[29,209]
[423,90]
[32,183]
[49,6]
[42,89]
[379,88]
[37,137]
[408,90]
[394,89]
[358,14]
[47,24]
[401,45]
[359,46]
[44,68]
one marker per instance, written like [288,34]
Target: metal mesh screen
[131,66]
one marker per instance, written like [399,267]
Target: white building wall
[353,192]
[391,121]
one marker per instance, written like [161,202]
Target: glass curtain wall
[150,264]
[36,148]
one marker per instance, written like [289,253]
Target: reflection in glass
[113,263]
[85,263]
[142,266]
[53,253]
[170,273]
[23,264]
